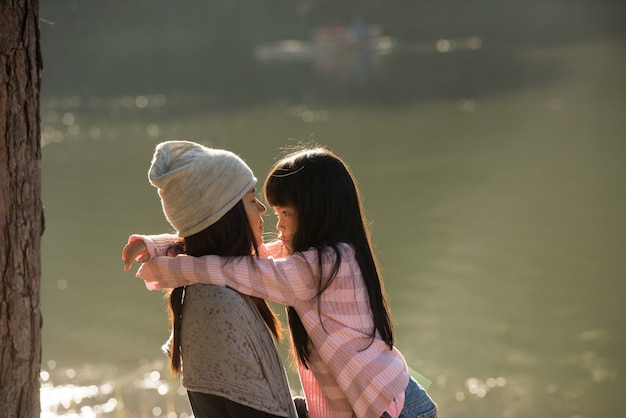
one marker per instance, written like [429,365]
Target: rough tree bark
[21,213]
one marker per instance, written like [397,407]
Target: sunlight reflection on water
[145,393]
[59,115]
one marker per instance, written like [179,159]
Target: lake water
[494,183]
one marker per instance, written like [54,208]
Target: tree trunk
[21,212]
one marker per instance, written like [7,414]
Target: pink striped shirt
[349,374]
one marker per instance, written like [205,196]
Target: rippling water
[498,219]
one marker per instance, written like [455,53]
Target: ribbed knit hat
[197,185]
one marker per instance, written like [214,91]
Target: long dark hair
[231,235]
[323,192]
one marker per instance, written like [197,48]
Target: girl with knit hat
[220,343]
[338,315]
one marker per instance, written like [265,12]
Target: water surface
[497,214]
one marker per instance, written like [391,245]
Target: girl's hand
[135,250]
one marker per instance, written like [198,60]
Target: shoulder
[329,252]
[330,255]
[217,295]
[343,249]
[205,300]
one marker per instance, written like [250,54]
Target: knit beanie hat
[197,185]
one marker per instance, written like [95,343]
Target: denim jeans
[417,403]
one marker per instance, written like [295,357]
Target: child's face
[255,211]
[287,223]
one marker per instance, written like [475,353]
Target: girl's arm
[157,244]
[280,280]
[141,248]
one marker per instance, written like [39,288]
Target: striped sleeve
[157,245]
[281,280]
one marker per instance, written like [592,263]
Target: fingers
[128,261]
[135,250]
[124,251]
